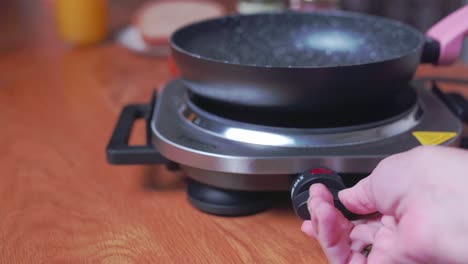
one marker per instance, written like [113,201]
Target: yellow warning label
[432,137]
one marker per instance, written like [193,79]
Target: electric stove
[235,158]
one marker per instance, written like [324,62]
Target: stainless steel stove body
[237,155]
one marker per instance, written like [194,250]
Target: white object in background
[158,19]
[251,7]
[313,5]
[131,39]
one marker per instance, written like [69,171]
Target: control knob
[302,183]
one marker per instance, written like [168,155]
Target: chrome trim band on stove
[298,138]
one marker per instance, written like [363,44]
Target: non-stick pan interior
[298,39]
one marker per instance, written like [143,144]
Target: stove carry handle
[456,102]
[118,150]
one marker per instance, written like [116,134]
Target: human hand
[419,204]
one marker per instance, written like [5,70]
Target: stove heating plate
[240,156]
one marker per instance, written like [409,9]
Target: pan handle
[449,33]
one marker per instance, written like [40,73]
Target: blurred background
[418,13]
[26,22]
[421,14]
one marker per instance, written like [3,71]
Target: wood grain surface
[61,202]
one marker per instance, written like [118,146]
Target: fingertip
[316,189]
[345,196]
[327,224]
[333,233]
[348,200]
[313,203]
[308,229]
[364,232]
[358,199]
[320,190]
[342,195]
[312,207]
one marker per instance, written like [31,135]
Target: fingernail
[303,226]
[313,189]
[308,201]
[313,219]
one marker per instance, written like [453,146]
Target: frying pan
[314,62]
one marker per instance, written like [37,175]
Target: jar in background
[82,22]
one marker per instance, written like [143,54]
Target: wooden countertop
[61,202]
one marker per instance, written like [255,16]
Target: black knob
[302,183]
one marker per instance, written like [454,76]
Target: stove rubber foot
[216,201]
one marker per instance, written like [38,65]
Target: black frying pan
[317,62]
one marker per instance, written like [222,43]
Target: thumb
[359,199]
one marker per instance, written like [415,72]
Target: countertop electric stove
[234,158]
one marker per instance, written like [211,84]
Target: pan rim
[338,13]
